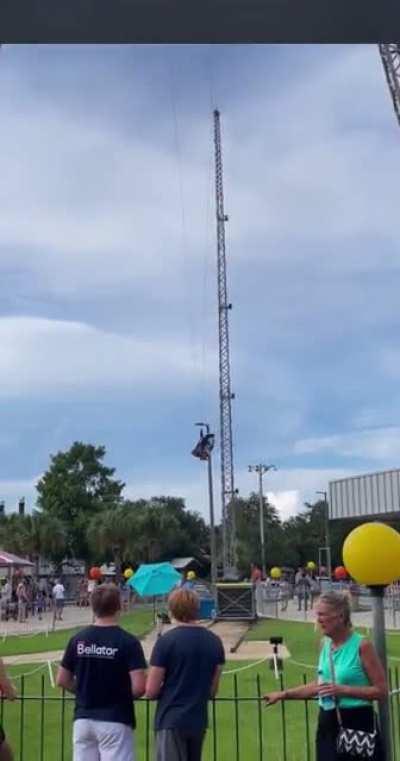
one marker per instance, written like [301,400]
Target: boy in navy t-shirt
[105,667]
[185,669]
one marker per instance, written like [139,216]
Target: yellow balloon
[371,554]
[311,566]
[128,573]
[275,573]
[191,575]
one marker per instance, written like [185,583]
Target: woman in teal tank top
[357,680]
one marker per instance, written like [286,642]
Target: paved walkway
[72,616]
[359,618]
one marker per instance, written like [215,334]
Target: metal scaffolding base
[235,602]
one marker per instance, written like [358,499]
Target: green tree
[77,486]
[34,536]
[113,535]
[248,533]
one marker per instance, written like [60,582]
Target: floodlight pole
[327,536]
[261,470]
[378,629]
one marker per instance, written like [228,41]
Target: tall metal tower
[390,55]
[225,393]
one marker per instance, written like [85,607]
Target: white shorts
[102,741]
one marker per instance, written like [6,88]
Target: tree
[114,535]
[248,533]
[34,536]
[77,486]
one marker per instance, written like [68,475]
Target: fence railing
[241,727]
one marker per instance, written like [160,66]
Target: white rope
[29,673]
[302,665]
[249,666]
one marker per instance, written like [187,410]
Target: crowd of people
[105,668]
[24,597]
[304,586]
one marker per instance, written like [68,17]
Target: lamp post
[261,470]
[327,537]
[203,451]
[371,554]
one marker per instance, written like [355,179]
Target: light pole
[327,537]
[371,554]
[203,451]
[261,470]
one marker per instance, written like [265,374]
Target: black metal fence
[241,727]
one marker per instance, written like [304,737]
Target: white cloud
[380,444]
[40,356]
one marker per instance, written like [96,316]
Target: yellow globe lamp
[275,573]
[311,566]
[128,573]
[371,554]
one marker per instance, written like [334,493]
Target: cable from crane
[187,289]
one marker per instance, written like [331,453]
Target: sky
[108,296]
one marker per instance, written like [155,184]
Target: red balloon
[340,573]
[95,573]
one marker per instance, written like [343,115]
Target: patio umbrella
[154,579]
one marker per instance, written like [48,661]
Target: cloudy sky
[108,313]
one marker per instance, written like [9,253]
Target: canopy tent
[8,560]
[12,563]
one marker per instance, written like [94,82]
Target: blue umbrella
[154,579]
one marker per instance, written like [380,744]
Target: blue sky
[108,262]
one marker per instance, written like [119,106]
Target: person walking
[302,586]
[22,598]
[7,691]
[105,667]
[185,668]
[59,598]
[350,678]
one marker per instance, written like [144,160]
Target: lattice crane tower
[225,391]
[390,55]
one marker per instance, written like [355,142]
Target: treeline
[81,512]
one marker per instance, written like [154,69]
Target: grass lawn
[243,731]
[139,622]
[238,727]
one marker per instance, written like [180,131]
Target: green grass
[246,717]
[242,724]
[303,642]
[139,622]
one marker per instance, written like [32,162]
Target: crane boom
[225,392]
[390,55]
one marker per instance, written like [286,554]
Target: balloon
[340,573]
[128,573]
[95,573]
[191,575]
[275,573]
[371,552]
[311,566]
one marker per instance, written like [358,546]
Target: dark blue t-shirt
[101,657]
[189,655]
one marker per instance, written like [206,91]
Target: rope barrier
[248,666]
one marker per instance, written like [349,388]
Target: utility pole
[261,470]
[327,536]
[228,493]
[203,451]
